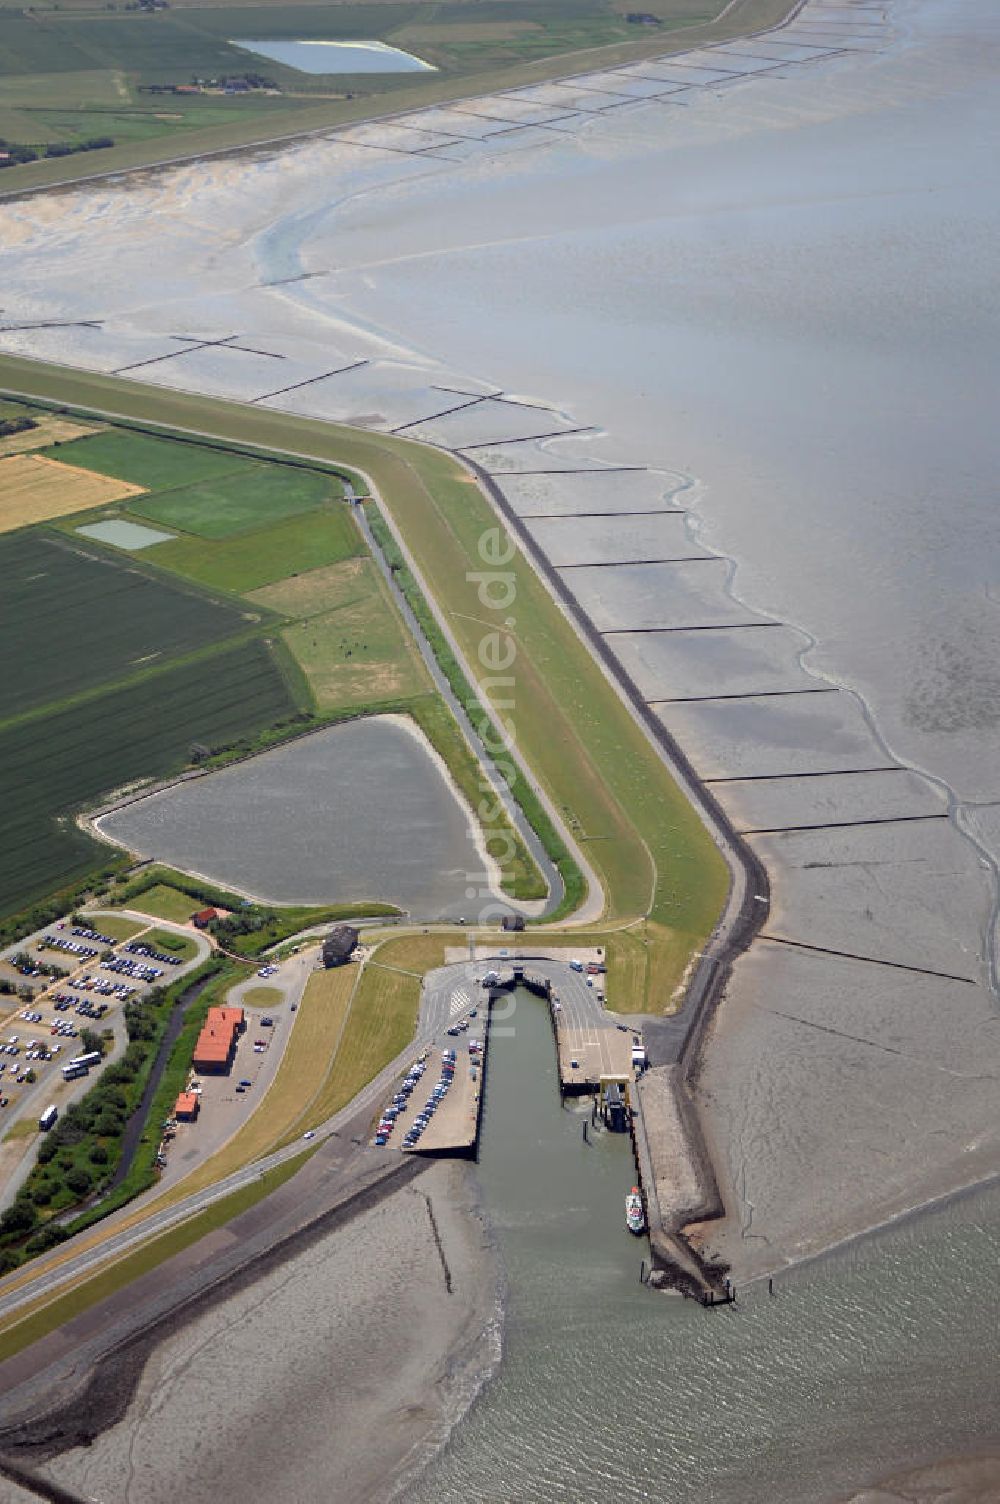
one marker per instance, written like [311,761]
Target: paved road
[224,1111]
[546,866]
[457,988]
[592,907]
[343,1165]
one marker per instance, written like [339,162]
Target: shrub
[79,1180]
[49,1236]
[19,1218]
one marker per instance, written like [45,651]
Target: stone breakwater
[678,1182]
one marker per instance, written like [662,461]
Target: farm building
[218,1039]
[204,918]
[339,944]
[186,1107]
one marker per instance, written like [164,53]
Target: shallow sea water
[863,1361]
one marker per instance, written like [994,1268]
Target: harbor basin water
[609,1390]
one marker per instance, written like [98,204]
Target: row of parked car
[86,934]
[460,1028]
[99,985]
[33,1050]
[141,971]
[399,1102]
[141,948]
[72,947]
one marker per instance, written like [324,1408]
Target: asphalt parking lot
[224,1109]
[454,999]
[42,1035]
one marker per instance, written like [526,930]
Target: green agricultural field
[359,652]
[652,853]
[75,618]
[250,560]
[144,460]
[94,66]
[318,590]
[50,764]
[234,503]
[93,88]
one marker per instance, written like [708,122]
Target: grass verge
[248,928]
[381,1022]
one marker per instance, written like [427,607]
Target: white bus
[48,1118]
[93,1058]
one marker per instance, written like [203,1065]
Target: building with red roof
[218,1039]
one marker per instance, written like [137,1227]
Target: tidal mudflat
[762,295]
[285,1386]
[362,810]
[745,327]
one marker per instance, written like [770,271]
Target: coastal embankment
[677,1180]
[407,1271]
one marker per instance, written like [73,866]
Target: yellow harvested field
[34,488]
[47,431]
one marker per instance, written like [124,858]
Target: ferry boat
[635,1215]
